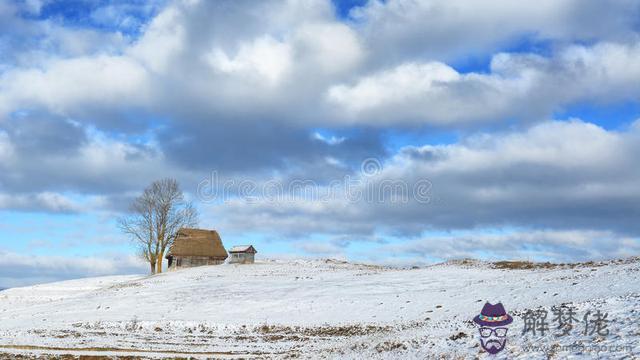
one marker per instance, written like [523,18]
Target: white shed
[242,254]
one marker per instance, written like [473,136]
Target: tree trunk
[159,263]
[153,267]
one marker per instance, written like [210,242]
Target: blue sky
[521,119]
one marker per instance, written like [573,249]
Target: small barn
[242,254]
[196,247]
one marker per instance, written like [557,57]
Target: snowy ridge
[332,309]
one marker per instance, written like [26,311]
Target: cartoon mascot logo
[493,321]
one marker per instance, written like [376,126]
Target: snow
[330,309]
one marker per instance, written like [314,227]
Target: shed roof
[243,249]
[198,242]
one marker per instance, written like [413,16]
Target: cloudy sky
[411,131]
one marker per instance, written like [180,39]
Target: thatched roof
[198,242]
[243,249]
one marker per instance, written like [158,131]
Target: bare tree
[138,224]
[155,218]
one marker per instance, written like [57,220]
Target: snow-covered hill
[314,309]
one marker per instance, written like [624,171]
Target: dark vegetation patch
[457,336]
[345,330]
[524,265]
[528,265]
[390,346]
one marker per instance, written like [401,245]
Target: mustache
[493,344]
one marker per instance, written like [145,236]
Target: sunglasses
[500,332]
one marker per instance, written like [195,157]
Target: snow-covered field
[318,309]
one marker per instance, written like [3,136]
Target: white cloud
[33,6]
[98,165]
[555,175]
[401,88]
[330,48]
[27,42]
[313,69]
[323,249]
[6,149]
[534,245]
[333,140]
[445,29]
[66,85]
[241,88]
[20,270]
[45,201]
[519,86]
[265,58]
[162,41]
